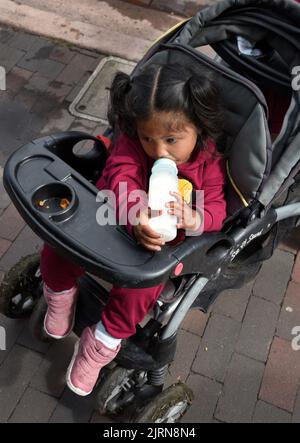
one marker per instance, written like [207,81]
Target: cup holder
[56,199]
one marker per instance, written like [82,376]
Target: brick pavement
[238,358]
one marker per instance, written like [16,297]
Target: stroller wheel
[114,390]
[36,322]
[20,288]
[167,407]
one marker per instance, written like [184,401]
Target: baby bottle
[163,180]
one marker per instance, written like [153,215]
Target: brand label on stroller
[246,242]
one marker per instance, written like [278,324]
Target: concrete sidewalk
[238,359]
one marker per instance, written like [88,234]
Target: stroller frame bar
[181,310]
[288,211]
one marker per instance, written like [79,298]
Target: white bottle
[163,180]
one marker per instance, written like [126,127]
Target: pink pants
[126,307]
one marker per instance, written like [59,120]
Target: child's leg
[100,344]
[128,307]
[60,291]
[58,273]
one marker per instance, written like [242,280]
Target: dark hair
[169,88]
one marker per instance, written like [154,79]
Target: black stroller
[263,204]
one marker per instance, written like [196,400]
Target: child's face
[160,136]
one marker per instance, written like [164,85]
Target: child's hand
[187,217]
[145,236]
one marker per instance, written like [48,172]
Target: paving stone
[292,241]
[25,339]
[13,119]
[84,126]
[62,54]
[4,198]
[58,90]
[283,246]
[23,41]
[187,346]
[75,89]
[274,276]
[27,98]
[37,61]
[13,329]
[26,243]
[265,413]
[15,373]
[6,35]
[4,246]
[296,270]
[241,387]
[281,378]
[206,395]
[73,408]
[38,83]
[217,347]
[17,125]
[17,79]
[290,312]
[51,376]
[34,407]
[74,71]
[45,105]
[233,303]
[9,57]
[195,322]
[59,120]
[296,414]
[100,129]
[11,223]
[258,329]
[35,123]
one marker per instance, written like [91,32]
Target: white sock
[108,340]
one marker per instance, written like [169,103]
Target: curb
[183,8]
[101,29]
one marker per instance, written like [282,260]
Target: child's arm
[123,174]
[145,235]
[188,218]
[214,179]
[209,211]
[126,173]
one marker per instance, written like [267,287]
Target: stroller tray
[60,205]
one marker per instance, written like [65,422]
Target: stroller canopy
[258,170]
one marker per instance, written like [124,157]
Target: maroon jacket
[129,163]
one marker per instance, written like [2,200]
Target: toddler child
[163,112]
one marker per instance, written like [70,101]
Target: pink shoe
[60,315]
[90,355]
